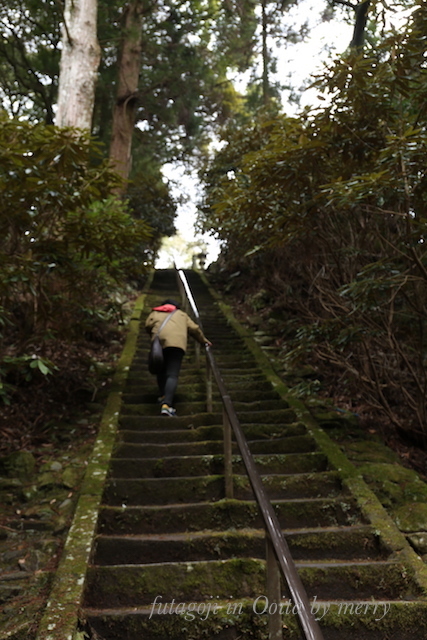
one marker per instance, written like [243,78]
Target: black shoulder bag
[155,356]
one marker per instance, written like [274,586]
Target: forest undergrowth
[39,404]
[48,426]
[320,383]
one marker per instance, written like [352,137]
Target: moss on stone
[412,517]
[370,451]
[369,619]
[334,419]
[394,484]
[226,619]
[134,585]
[19,464]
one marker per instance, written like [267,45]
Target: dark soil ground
[47,433]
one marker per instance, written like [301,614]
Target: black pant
[168,378]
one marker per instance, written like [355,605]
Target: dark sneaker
[167,410]
[161,400]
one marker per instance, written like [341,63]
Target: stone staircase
[175,559]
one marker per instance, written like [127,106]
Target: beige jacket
[176,330]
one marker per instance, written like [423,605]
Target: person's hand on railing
[208,343]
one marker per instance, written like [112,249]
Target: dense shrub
[65,240]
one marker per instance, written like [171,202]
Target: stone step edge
[342,535]
[186,505]
[143,610]
[337,614]
[322,564]
[277,440]
[361,528]
[332,500]
[217,456]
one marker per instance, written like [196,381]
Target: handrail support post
[228,463]
[274,594]
[209,392]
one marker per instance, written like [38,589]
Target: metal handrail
[307,621]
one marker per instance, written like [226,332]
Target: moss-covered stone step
[213,465]
[183,395]
[151,420]
[153,409]
[277,423]
[139,372]
[189,364]
[235,360]
[189,376]
[136,585]
[358,580]
[350,543]
[237,384]
[293,487]
[273,416]
[187,407]
[150,491]
[133,406]
[218,330]
[163,424]
[354,620]
[234,348]
[135,431]
[149,396]
[289,444]
[292,444]
[242,394]
[232,375]
[186,410]
[163,490]
[226,514]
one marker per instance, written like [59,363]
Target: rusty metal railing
[279,561]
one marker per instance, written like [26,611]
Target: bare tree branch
[61,7]
[346,3]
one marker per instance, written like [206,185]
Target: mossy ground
[39,491]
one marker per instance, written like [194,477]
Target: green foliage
[16,370]
[186,51]
[65,239]
[149,199]
[329,210]
[29,57]
[184,93]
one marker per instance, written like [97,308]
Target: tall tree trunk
[127,88]
[80,59]
[358,39]
[265,77]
